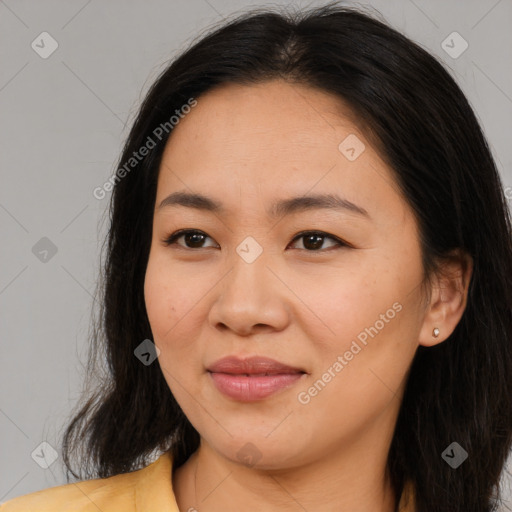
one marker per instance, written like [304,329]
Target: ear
[448,298]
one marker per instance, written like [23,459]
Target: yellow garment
[146,490]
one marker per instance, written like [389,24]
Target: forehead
[272,139]
[267,116]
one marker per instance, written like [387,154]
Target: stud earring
[435,332]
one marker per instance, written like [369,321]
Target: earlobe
[448,299]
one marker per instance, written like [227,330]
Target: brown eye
[313,240]
[193,238]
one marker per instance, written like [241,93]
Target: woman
[307,302]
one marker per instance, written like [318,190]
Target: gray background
[64,119]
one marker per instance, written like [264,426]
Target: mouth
[255,386]
[254,378]
[255,365]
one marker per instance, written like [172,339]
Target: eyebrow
[280,208]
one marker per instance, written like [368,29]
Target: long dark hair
[419,120]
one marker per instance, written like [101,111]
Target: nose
[251,298]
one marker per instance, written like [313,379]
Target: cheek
[373,326]
[165,303]
[156,296]
[173,307]
[361,372]
[163,314]
[343,304]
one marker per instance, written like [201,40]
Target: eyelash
[171,239]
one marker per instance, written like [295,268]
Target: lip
[254,378]
[252,365]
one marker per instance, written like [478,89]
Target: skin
[248,146]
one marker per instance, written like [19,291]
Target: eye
[191,236]
[313,240]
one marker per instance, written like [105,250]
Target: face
[342,302]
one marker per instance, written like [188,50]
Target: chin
[261,454]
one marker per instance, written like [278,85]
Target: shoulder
[407,500]
[106,494]
[125,492]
